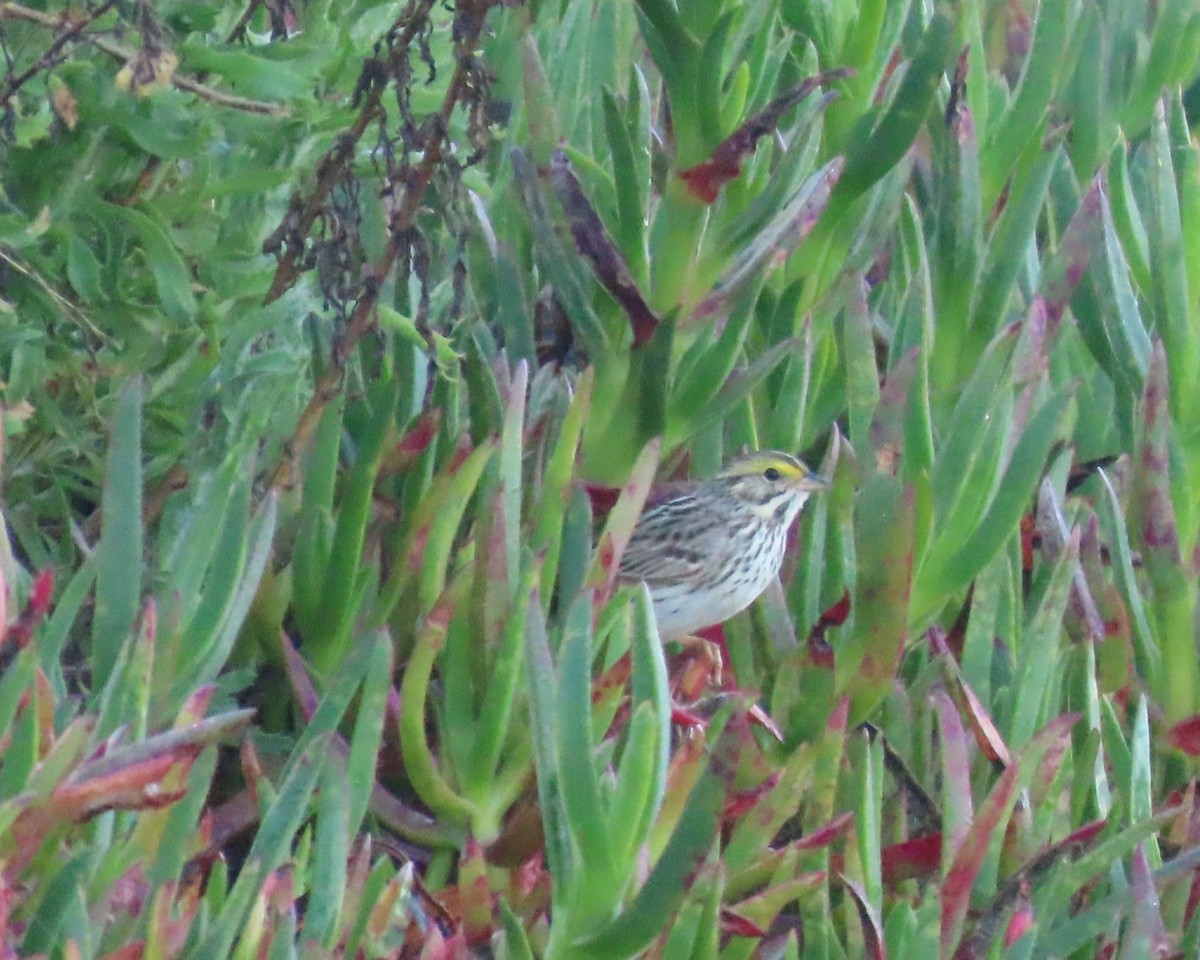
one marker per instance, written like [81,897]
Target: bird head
[770,482]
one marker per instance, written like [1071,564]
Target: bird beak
[815,482]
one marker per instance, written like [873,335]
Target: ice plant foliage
[342,347]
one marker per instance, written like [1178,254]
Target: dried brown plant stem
[17,11]
[362,320]
[332,165]
[239,28]
[71,30]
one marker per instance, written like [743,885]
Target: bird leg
[703,667]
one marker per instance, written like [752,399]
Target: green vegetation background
[340,345]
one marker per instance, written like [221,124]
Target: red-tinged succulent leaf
[1184,828]
[1018,844]
[1186,736]
[138,786]
[882,591]
[622,519]
[759,717]
[835,615]
[990,921]
[1047,771]
[825,835]
[462,453]
[603,498]
[252,772]
[1030,360]
[1084,234]
[418,438]
[45,712]
[687,765]
[279,890]
[380,919]
[304,691]
[1083,616]
[753,766]
[820,653]
[987,736]
[476,901]
[739,803]
[706,178]
[35,610]
[840,717]
[872,929]
[885,79]
[1159,535]
[596,246]
[453,947]
[495,587]
[1114,654]
[689,719]
[1077,840]
[195,735]
[7,901]
[1144,935]
[127,766]
[892,413]
[95,787]
[1189,911]
[1152,517]
[960,878]
[761,909]
[956,772]
[358,870]
[416,550]
[1021,921]
[938,641]
[1028,529]
[170,922]
[128,892]
[195,705]
[530,874]
[773,244]
[613,679]
[530,897]
[733,924]
[910,859]
[129,951]
[41,593]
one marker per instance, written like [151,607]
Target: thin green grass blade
[542,684]
[331,844]
[368,728]
[119,575]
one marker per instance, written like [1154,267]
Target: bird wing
[662,550]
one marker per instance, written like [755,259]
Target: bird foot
[703,667]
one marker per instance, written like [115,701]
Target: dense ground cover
[340,345]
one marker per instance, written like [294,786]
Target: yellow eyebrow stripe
[785,467]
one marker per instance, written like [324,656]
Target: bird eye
[771,474]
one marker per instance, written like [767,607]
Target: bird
[708,549]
